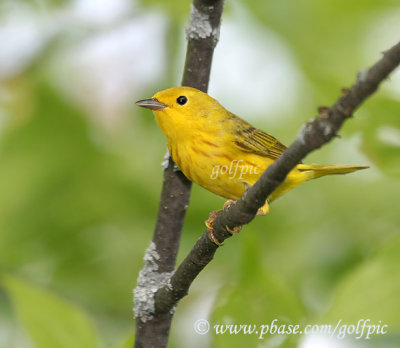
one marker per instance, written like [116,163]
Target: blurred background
[80,171]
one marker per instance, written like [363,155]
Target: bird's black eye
[181,100]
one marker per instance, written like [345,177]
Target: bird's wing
[253,140]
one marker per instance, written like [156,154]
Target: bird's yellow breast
[210,163]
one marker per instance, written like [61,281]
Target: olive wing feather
[252,140]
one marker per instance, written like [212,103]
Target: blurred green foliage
[50,321]
[78,201]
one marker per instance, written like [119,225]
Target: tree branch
[152,327]
[313,135]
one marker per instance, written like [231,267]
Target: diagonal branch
[152,328]
[313,135]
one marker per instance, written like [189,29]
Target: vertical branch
[202,35]
[152,328]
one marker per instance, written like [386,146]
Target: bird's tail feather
[318,170]
[310,171]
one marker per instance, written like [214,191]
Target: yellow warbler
[220,151]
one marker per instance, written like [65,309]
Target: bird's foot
[210,229]
[211,219]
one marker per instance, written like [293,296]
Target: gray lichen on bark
[148,283]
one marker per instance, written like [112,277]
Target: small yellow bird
[220,151]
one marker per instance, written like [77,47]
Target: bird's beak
[152,104]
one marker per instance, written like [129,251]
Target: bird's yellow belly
[219,172]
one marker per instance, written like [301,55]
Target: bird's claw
[234,230]
[228,203]
[209,223]
[211,219]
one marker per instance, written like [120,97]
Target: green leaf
[371,292]
[50,320]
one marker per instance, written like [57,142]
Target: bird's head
[184,111]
